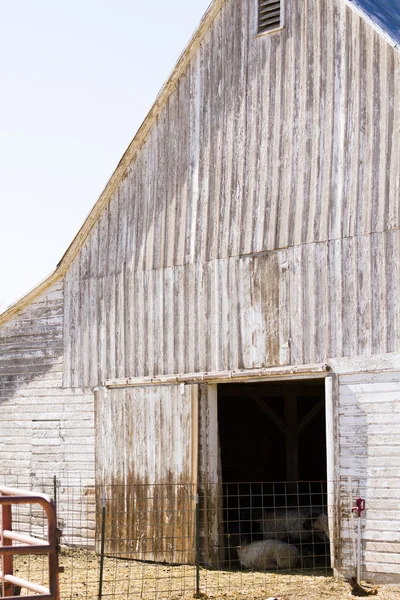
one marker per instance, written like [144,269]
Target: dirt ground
[124,579]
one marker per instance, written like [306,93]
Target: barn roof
[383,15]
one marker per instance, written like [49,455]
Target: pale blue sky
[77,79]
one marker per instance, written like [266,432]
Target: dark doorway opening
[273,462]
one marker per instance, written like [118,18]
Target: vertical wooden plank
[358,213]
[195,437]
[169,320]
[216,137]
[332,457]
[240,132]
[352,130]
[102,335]
[210,476]
[303,164]
[169,182]
[392,276]
[269,290]
[179,332]
[75,325]
[264,156]
[294,269]
[290,134]
[120,316]
[327,89]
[130,316]
[202,316]
[93,330]
[102,268]
[67,335]
[123,211]
[85,341]
[183,183]
[161,198]
[378,294]
[190,217]
[228,91]
[204,154]
[335,300]
[339,134]
[349,296]
[285,259]
[390,157]
[275,118]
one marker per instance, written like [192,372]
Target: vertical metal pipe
[359,551]
[359,508]
[55,490]
[197,595]
[7,560]
[103,529]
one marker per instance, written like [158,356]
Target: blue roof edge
[382,15]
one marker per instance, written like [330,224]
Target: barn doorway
[273,462]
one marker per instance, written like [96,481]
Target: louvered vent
[269,15]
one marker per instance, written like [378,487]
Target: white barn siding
[45,430]
[369,420]
[284,144]
[330,299]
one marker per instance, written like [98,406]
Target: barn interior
[273,457]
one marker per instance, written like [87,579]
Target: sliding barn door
[146,463]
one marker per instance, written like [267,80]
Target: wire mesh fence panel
[266,529]
[149,541]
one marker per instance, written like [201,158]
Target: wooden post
[292,441]
[291,428]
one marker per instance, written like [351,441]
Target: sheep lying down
[268,554]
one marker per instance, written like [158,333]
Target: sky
[77,78]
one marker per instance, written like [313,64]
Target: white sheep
[282,524]
[267,554]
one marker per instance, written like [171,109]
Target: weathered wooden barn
[230,309]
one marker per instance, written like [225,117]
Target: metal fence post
[197,594]
[55,490]
[103,529]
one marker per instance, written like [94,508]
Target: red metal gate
[27,544]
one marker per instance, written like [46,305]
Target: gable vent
[269,15]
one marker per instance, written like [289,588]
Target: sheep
[321,526]
[291,524]
[267,554]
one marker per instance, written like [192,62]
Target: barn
[228,314]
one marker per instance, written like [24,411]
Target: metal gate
[27,544]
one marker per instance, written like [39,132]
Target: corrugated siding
[146,448]
[369,419]
[266,143]
[200,317]
[45,430]
[289,142]
[330,299]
